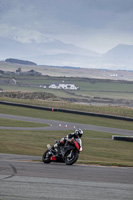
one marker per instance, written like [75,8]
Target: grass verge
[98,121]
[111,110]
[17,123]
[98,148]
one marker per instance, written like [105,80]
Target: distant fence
[123,138]
[67,111]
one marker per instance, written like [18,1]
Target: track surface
[22,179]
[54,125]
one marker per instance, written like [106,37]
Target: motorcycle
[67,154]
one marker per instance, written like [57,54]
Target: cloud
[88,14]
[88,23]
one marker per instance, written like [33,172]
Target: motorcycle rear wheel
[71,160]
[46,158]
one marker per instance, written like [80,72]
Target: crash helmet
[79,132]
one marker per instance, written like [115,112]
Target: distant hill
[57,53]
[121,53]
[23,62]
[47,52]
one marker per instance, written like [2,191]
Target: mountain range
[54,52]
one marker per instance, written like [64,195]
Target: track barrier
[68,111]
[122,138]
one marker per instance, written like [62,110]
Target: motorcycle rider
[66,150]
[77,134]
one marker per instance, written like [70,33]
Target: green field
[89,88]
[95,95]
[111,110]
[98,147]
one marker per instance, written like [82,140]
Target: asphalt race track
[54,125]
[25,178]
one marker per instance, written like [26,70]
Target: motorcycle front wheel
[71,157]
[46,158]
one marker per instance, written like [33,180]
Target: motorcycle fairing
[77,145]
[56,159]
[53,158]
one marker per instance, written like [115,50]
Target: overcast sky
[98,25]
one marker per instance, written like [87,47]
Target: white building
[43,86]
[65,86]
[114,75]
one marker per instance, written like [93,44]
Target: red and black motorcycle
[67,154]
